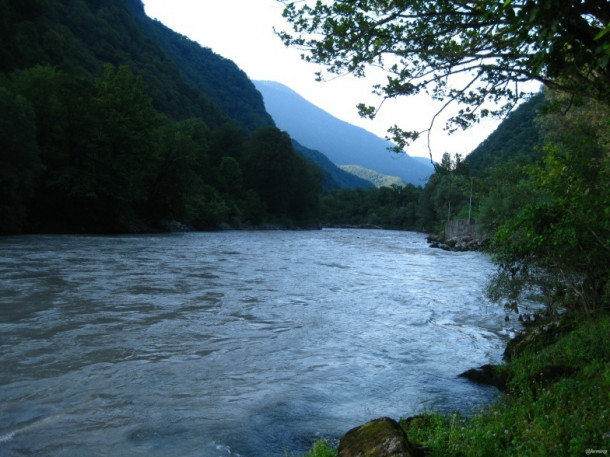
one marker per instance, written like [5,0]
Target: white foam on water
[36,424]
[8,437]
[225,450]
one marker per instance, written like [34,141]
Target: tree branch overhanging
[423,43]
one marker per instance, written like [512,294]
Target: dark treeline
[407,207]
[111,123]
[94,155]
[394,207]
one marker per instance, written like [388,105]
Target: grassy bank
[557,401]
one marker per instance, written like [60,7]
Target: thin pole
[470,204]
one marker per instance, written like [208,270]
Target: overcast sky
[242,30]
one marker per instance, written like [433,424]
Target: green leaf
[602,32]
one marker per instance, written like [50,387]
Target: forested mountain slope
[223,82]
[80,36]
[516,139]
[113,123]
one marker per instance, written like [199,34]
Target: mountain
[333,176]
[184,79]
[111,122]
[220,79]
[516,139]
[424,160]
[79,37]
[378,179]
[341,142]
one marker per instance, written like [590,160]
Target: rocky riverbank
[459,235]
[461,243]
[555,401]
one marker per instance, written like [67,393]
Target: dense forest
[113,123]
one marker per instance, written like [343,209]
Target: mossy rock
[539,335]
[488,375]
[379,438]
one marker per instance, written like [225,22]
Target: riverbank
[555,400]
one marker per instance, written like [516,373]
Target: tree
[124,141]
[507,188]
[96,142]
[285,182]
[227,141]
[21,165]
[181,160]
[560,242]
[66,129]
[474,53]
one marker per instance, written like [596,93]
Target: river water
[245,344]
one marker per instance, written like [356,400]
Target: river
[233,343]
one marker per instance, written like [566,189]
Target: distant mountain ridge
[341,142]
[378,179]
[333,176]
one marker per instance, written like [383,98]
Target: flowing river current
[232,343]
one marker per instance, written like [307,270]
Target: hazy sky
[242,30]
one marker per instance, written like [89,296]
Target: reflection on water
[232,343]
